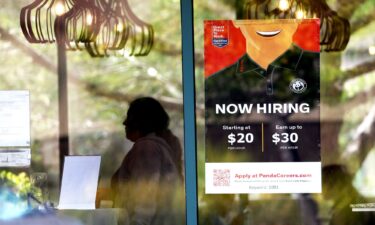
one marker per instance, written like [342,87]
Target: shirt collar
[288,60]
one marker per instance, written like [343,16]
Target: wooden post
[63,104]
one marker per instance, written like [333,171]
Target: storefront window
[346,125]
[100,90]
[107,116]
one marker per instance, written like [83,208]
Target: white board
[79,182]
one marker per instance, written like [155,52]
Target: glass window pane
[100,90]
[346,124]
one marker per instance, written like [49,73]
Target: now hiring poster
[262,113]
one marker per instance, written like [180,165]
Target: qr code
[221,177]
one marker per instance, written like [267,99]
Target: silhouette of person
[337,187]
[148,182]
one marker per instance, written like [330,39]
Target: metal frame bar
[188,78]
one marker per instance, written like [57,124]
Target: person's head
[337,182]
[145,115]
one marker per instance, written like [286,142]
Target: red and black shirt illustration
[264,107]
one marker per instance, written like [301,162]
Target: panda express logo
[298,85]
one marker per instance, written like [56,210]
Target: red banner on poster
[305,37]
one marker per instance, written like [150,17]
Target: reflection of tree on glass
[148,182]
[223,209]
[338,187]
[39,186]
[217,210]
